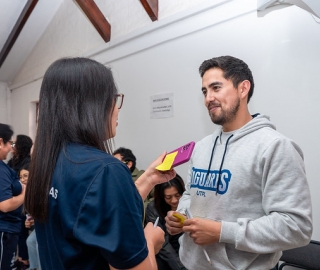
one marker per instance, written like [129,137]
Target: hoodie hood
[258,121]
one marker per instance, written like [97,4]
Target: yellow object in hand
[167,162]
[179,216]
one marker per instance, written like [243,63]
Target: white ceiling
[44,12]
[39,19]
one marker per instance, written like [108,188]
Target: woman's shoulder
[91,159]
[79,153]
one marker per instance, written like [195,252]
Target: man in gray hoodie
[247,186]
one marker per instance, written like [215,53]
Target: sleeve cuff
[228,232]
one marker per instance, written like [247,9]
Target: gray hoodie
[254,182]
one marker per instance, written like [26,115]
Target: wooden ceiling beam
[151,7]
[96,17]
[28,8]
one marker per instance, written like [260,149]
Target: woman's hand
[154,237]
[157,177]
[152,177]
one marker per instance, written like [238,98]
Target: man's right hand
[172,223]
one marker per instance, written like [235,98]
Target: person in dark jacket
[166,198]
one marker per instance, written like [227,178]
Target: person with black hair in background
[126,156]
[166,198]
[21,158]
[88,212]
[21,152]
[12,194]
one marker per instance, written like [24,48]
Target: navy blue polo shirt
[9,186]
[95,214]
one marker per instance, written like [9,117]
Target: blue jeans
[33,251]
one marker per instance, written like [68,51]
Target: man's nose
[209,97]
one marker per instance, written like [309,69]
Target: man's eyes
[215,88]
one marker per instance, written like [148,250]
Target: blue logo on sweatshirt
[200,180]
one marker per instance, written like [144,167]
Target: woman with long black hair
[88,212]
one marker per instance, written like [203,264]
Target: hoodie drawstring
[214,145]
[224,154]
[211,158]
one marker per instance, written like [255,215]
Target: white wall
[4,103]
[282,49]
[23,109]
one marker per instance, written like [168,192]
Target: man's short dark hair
[127,156]
[233,68]
[5,132]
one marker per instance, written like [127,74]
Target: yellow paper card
[179,216]
[167,162]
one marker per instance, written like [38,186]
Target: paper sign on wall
[161,106]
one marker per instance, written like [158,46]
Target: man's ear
[244,88]
[129,164]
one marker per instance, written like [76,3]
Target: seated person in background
[126,156]
[166,198]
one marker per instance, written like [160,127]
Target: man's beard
[225,116]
